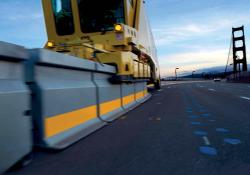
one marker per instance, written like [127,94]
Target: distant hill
[212,71]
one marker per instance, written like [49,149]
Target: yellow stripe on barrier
[139,95]
[128,99]
[110,106]
[60,123]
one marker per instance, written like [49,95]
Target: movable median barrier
[73,97]
[15,125]
[141,92]
[64,98]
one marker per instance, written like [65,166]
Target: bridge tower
[239,50]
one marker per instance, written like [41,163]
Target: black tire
[157,84]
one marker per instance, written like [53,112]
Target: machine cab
[70,19]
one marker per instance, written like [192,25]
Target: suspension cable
[229,52]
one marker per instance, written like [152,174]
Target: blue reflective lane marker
[200,133]
[195,123]
[232,141]
[222,130]
[205,115]
[194,117]
[208,150]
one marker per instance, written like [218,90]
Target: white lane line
[246,98]
[160,90]
[211,89]
[207,142]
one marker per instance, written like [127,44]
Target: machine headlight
[118,28]
[50,44]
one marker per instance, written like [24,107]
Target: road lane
[235,88]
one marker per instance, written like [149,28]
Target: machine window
[131,3]
[63,17]
[100,16]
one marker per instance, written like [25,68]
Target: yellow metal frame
[114,47]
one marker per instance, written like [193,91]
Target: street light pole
[176,73]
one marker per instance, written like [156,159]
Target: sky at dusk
[189,34]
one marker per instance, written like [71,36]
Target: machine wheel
[157,84]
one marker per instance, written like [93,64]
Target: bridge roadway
[189,128]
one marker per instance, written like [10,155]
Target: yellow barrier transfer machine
[114,32]
[58,98]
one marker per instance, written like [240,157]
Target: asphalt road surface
[189,128]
